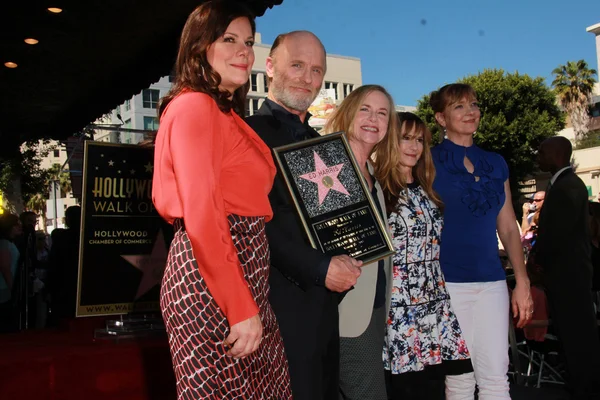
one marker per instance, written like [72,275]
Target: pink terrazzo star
[326,178]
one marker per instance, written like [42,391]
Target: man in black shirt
[305,283]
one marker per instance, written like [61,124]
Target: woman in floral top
[423,339]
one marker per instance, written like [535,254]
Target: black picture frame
[332,199]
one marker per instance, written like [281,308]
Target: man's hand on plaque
[343,273]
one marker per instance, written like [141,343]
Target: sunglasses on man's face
[538,200]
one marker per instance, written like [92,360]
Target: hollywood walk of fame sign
[122,248]
[333,202]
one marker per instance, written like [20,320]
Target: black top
[269,123]
[563,247]
[596,268]
[299,130]
[381,280]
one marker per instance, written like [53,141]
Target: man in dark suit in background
[64,267]
[304,282]
[563,251]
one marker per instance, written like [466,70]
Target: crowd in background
[252,310]
[38,272]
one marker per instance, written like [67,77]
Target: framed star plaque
[332,199]
[123,241]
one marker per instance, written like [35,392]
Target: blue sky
[414,47]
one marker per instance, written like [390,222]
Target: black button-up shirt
[300,131]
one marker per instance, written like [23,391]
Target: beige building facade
[595,30]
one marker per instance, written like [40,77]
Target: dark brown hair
[387,160]
[450,94]
[7,223]
[447,95]
[207,23]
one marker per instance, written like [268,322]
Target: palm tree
[63,178]
[574,83]
[37,204]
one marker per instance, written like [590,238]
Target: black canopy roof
[90,57]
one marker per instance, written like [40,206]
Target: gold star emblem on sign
[149,167]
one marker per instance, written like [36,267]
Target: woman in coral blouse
[212,175]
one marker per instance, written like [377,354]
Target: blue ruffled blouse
[472,202]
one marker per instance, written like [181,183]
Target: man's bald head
[555,153]
[294,35]
[295,68]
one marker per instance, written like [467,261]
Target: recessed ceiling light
[10,64]
[31,41]
[55,10]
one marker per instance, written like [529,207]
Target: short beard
[299,104]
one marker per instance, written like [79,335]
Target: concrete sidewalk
[545,393]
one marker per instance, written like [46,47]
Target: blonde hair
[342,118]
[387,170]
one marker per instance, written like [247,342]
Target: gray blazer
[357,306]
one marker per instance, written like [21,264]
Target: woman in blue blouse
[473,184]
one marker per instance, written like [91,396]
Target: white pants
[482,310]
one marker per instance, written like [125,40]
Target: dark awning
[90,58]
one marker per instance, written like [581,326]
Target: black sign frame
[122,248]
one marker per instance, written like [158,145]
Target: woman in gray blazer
[367,115]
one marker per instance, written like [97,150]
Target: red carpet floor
[68,364]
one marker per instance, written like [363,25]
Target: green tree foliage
[517,113]
[64,179]
[26,168]
[589,139]
[37,204]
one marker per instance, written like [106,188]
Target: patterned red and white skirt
[197,327]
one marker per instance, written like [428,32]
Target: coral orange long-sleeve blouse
[207,165]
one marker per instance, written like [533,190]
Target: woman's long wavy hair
[387,162]
[342,118]
[207,23]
